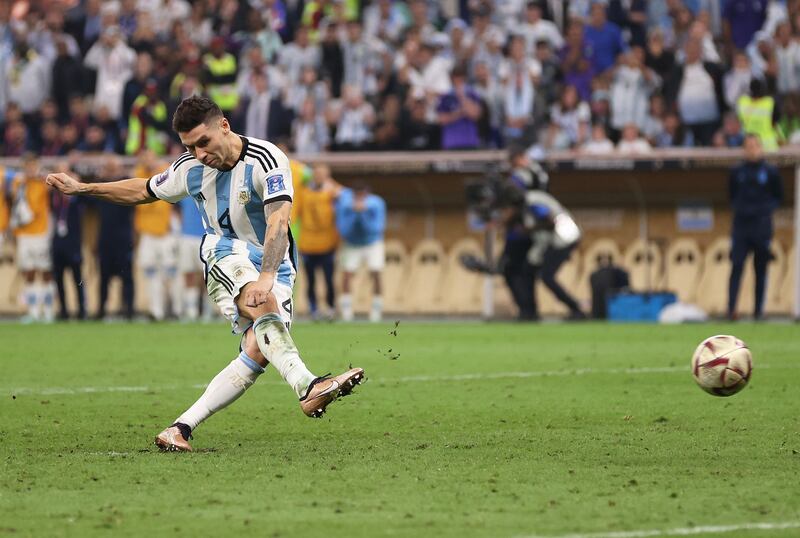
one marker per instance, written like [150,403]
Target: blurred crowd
[339,75]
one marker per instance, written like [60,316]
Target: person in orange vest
[314,207]
[30,221]
[157,248]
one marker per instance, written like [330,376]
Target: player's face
[206,142]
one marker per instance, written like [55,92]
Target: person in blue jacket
[756,190]
[361,221]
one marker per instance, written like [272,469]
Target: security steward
[756,190]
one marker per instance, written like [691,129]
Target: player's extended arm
[124,192]
[275,244]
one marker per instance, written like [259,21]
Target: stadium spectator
[198,25]
[416,132]
[737,80]
[361,222]
[353,118]
[757,113]
[309,131]
[599,144]
[460,43]
[219,75]
[788,127]
[114,62]
[631,87]
[310,87]
[603,37]
[115,244]
[265,116]
[387,131]
[576,61]
[654,123]
[148,123]
[66,247]
[298,54]
[787,55]
[631,17]
[459,112]
[313,206]
[536,28]
[27,80]
[695,89]
[143,71]
[730,135]
[68,71]
[569,121]
[756,190]
[331,59]
[741,20]
[30,221]
[632,143]
[385,20]
[658,57]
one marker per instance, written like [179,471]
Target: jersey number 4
[225,222]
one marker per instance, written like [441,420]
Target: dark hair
[193,111]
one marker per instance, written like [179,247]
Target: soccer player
[192,232]
[30,220]
[243,188]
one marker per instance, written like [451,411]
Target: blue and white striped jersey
[232,203]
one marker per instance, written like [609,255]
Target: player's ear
[224,125]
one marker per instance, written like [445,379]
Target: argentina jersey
[231,203]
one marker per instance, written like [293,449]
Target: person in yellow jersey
[757,113]
[30,222]
[6,176]
[156,252]
[314,207]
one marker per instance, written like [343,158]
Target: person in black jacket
[756,190]
[66,248]
[694,90]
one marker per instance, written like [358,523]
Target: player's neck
[235,151]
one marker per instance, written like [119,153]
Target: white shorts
[157,252]
[33,253]
[226,277]
[189,254]
[353,256]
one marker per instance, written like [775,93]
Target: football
[722,365]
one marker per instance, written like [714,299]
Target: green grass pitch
[495,430]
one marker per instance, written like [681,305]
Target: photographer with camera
[540,233]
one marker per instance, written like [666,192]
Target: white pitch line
[686,531]
[48,391]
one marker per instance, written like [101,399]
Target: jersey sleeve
[275,185]
[170,185]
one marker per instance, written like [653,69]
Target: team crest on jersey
[275,184]
[162,177]
[244,196]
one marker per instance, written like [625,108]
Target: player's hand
[64,183]
[257,292]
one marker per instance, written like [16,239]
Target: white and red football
[722,365]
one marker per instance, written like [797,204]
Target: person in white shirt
[787,54]
[632,143]
[298,54]
[736,82]
[353,119]
[114,62]
[630,90]
[599,143]
[535,28]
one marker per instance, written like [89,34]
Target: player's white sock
[47,293]
[376,313]
[191,303]
[276,344]
[155,292]
[30,297]
[224,389]
[346,306]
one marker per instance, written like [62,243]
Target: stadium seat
[645,265]
[463,290]
[394,276]
[684,266]
[568,275]
[424,289]
[712,291]
[786,288]
[597,252]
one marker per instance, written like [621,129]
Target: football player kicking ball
[243,189]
